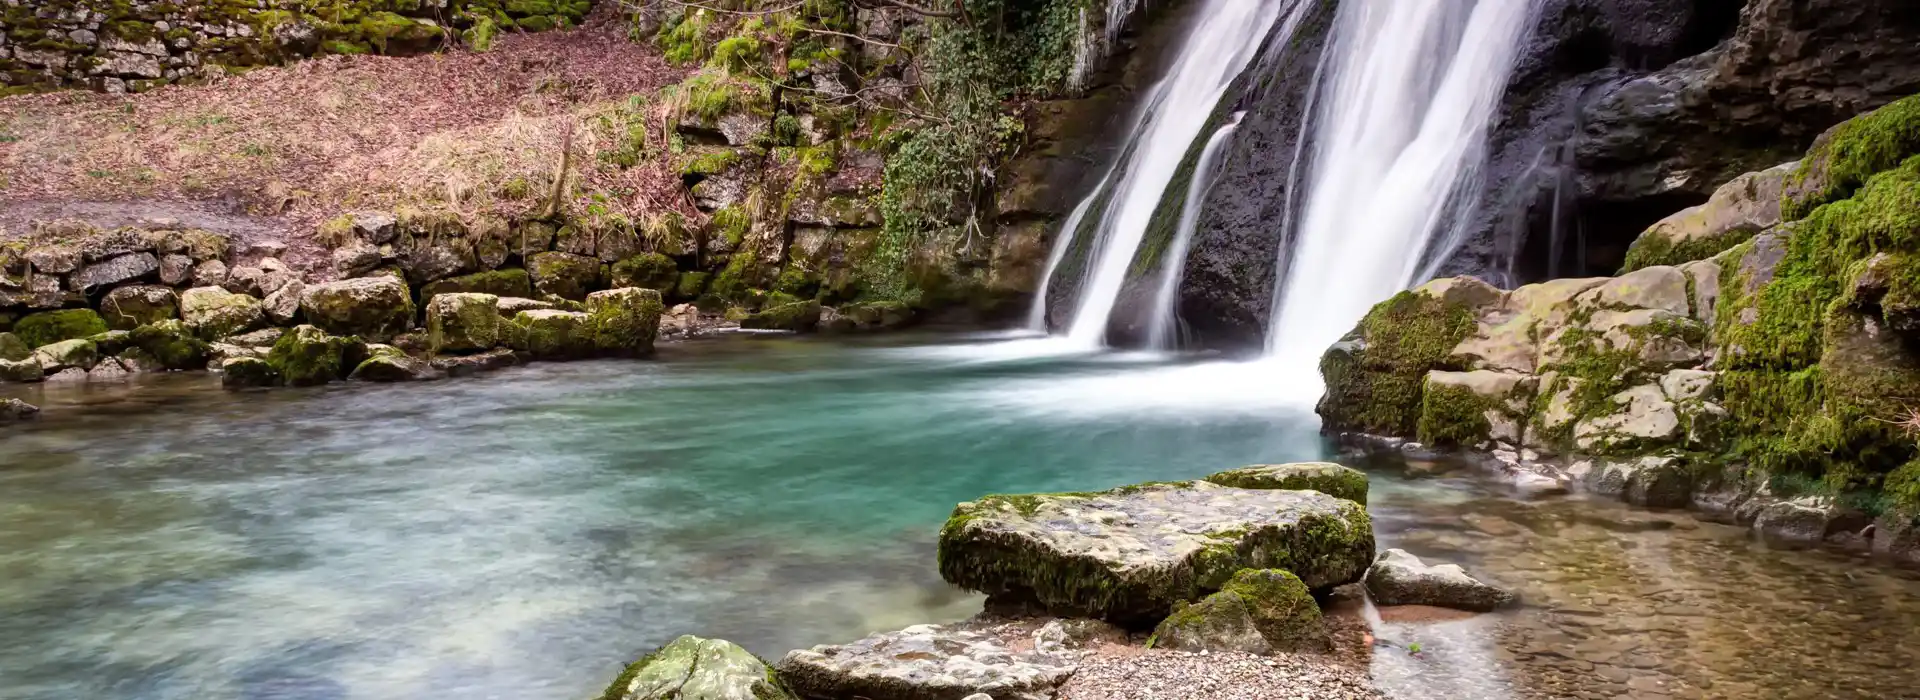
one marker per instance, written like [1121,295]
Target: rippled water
[521,535]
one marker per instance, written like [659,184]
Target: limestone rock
[551,334]
[248,373]
[500,283]
[356,258]
[625,322]
[463,322]
[283,306]
[54,259]
[512,306]
[308,356]
[923,661]
[111,342]
[175,269]
[1325,477]
[387,364]
[1809,521]
[1643,416]
[375,308]
[128,308]
[66,354]
[1259,611]
[213,312]
[1063,636]
[691,668]
[865,316]
[171,344]
[15,410]
[1737,210]
[651,271]
[70,375]
[1468,408]
[1652,481]
[564,275]
[210,273]
[125,268]
[1130,554]
[799,317]
[1896,536]
[108,370]
[1399,578]
[467,365]
[25,370]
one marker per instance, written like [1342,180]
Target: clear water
[521,535]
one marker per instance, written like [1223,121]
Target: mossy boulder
[374,308]
[650,271]
[130,307]
[1399,578]
[49,327]
[248,373]
[624,322]
[171,344]
[799,317]
[1846,156]
[1741,208]
[1131,554]
[564,275]
[691,285]
[23,370]
[463,322]
[1326,477]
[111,343]
[387,364]
[551,334]
[1258,611]
[13,348]
[1375,376]
[692,668]
[308,356]
[213,312]
[78,353]
[500,283]
[1469,408]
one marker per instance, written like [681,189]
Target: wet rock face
[1131,554]
[923,661]
[1399,578]
[691,668]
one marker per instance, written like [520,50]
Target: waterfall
[1062,242]
[1160,326]
[1223,39]
[1399,133]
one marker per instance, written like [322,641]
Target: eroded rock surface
[929,662]
[1399,578]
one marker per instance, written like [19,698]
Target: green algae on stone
[564,275]
[799,317]
[1130,554]
[624,322]
[1375,377]
[48,327]
[1326,477]
[12,348]
[213,312]
[172,344]
[650,271]
[1258,611]
[308,356]
[512,282]
[375,308]
[133,306]
[692,668]
[78,353]
[1847,155]
[551,334]
[248,373]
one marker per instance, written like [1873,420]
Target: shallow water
[521,535]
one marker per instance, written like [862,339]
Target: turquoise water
[521,535]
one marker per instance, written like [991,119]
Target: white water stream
[1162,331]
[1400,130]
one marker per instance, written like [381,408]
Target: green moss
[1651,250]
[49,327]
[1376,385]
[684,38]
[800,317]
[650,271]
[1852,153]
[479,37]
[624,322]
[691,285]
[307,356]
[711,162]
[1454,416]
[171,344]
[511,282]
[1331,479]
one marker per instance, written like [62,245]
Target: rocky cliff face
[123,46]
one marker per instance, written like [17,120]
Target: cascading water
[1160,326]
[1224,38]
[1400,130]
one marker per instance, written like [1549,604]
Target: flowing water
[1411,91]
[1162,324]
[1225,36]
[521,535]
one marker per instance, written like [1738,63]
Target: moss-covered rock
[551,334]
[463,322]
[691,285]
[624,322]
[866,317]
[1258,611]
[48,327]
[308,356]
[691,668]
[248,373]
[78,353]
[1130,554]
[651,271]
[500,283]
[111,343]
[1468,408]
[128,308]
[799,317]
[213,312]
[925,661]
[1739,209]
[171,344]
[564,275]
[1326,477]
[22,370]
[1846,156]
[374,308]
[13,348]
[387,364]
[1376,376]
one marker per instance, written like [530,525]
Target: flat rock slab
[691,668]
[1130,554]
[923,662]
[1399,578]
[1325,477]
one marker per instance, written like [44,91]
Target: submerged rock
[1259,611]
[248,373]
[923,661]
[1399,578]
[466,365]
[1326,477]
[1131,554]
[691,668]
[14,410]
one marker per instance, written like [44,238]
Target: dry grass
[473,131]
